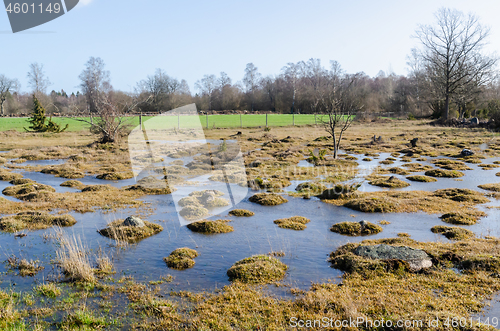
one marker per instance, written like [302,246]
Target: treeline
[301,88]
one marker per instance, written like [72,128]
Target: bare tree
[251,81]
[7,86]
[160,89]
[207,85]
[37,79]
[341,102]
[452,53]
[102,102]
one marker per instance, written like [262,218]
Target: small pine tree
[38,119]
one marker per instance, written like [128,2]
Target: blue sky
[189,39]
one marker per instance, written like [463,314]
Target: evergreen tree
[38,120]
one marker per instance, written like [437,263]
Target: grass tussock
[356,228]
[258,269]
[451,164]
[444,173]
[409,202]
[486,166]
[63,171]
[390,182]
[293,223]
[421,178]
[453,232]
[241,213]
[181,258]
[268,199]
[461,195]
[115,176]
[73,257]
[73,184]
[417,167]
[131,234]
[495,187]
[339,191]
[210,227]
[459,218]
[33,220]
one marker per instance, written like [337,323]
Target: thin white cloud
[85,2]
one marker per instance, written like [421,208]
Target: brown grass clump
[356,228]
[391,182]
[258,269]
[74,259]
[488,166]
[495,187]
[73,183]
[25,267]
[19,191]
[150,190]
[451,164]
[97,188]
[8,176]
[406,202]
[458,219]
[444,173]
[241,213]
[421,178]
[63,171]
[21,181]
[461,195]
[268,199]
[311,188]
[273,182]
[293,223]
[115,176]
[116,230]
[453,232]
[339,191]
[398,171]
[34,220]
[210,227]
[181,258]
[417,167]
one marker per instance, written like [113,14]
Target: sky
[189,39]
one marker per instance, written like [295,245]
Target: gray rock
[416,258]
[466,152]
[134,221]
[474,120]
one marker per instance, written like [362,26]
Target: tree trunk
[2,110]
[447,107]
[334,147]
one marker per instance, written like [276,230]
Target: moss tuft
[34,220]
[461,195]
[268,199]
[453,232]
[293,223]
[356,229]
[241,213]
[458,219]
[210,227]
[444,173]
[391,182]
[116,230]
[181,258]
[421,178]
[258,269]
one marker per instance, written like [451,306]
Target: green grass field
[217,121]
